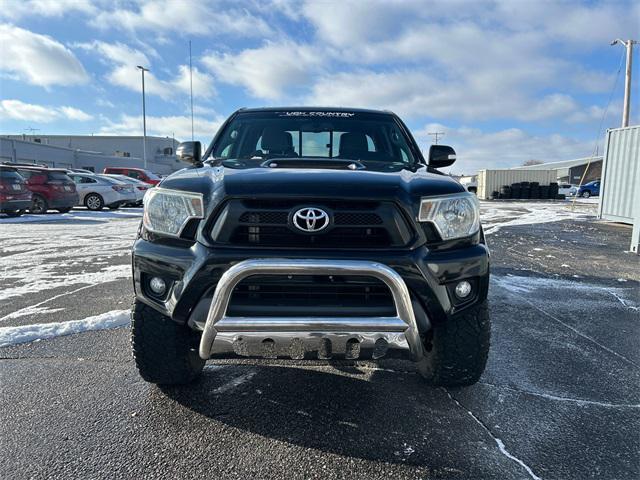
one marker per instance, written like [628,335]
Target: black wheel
[586,194]
[13,213]
[64,210]
[93,201]
[39,205]
[457,349]
[165,352]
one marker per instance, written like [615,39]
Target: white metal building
[90,152]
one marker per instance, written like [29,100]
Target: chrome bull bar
[400,331]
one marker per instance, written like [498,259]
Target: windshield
[374,140]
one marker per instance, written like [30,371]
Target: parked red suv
[137,173]
[51,188]
[15,197]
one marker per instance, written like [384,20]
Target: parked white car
[140,188]
[566,189]
[99,191]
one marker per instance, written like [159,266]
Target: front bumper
[295,337]
[193,272]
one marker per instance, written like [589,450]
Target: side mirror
[441,156]
[190,152]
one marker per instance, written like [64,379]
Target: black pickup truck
[311,233]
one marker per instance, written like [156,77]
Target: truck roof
[314,109]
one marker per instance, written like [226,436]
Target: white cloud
[180,126]
[16,9]
[75,114]
[38,59]
[271,71]
[124,60]
[190,17]
[506,148]
[414,93]
[18,110]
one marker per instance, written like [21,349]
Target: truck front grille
[268,223]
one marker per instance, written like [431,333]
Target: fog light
[463,289]
[157,285]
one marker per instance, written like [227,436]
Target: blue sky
[506,81]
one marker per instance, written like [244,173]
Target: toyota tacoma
[311,233]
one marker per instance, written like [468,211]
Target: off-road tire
[165,352]
[457,349]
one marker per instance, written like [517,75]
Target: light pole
[627,79]
[144,121]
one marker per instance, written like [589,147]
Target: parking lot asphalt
[560,398]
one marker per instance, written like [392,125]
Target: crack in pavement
[499,442]
[46,301]
[566,325]
[548,396]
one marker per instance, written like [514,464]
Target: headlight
[454,216]
[168,211]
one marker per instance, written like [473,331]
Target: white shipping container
[620,185]
[490,181]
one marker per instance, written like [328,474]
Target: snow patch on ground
[37,256]
[41,331]
[495,216]
[525,285]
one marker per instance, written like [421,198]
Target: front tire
[586,194]
[94,202]
[457,349]
[165,352]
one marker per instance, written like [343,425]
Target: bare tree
[528,163]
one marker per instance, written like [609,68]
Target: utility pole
[191,87]
[144,121]
[436,135]
[627,79]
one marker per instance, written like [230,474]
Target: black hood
[404,185]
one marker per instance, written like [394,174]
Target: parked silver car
[140,188]
[99,191]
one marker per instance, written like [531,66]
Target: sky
[505,81]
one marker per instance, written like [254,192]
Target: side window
[25,173]
[133,174]
[89,180]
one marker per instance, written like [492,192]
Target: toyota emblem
[311,219]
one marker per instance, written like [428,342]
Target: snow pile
[40,331]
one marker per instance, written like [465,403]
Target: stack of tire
[529,190]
